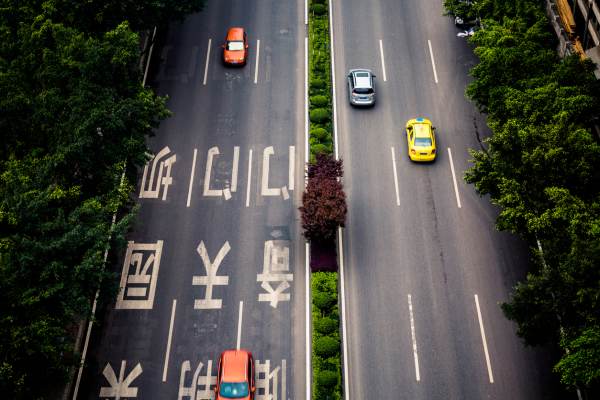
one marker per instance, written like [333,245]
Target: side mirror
[433,128]
[246,46]
[374,76]
[253,389]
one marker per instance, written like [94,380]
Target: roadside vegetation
[541,166]
[73,117]
[323,210]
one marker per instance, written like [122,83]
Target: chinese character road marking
[138,284]
[276,260]
[211,278]
[226,192]
[267,382]
[119,388]
[284,190]
[165,181]
[205,382]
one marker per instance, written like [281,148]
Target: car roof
[235,33]
[234,365]
[362,78]
[422,129]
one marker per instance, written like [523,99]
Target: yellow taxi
[420,136]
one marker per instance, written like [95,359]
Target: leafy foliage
[72,109]
[324,201]
[326,358]
[541,166]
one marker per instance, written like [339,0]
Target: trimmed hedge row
[326,359]
[320,105]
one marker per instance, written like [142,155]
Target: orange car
[235,379]
[235,48]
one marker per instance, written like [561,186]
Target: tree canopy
[541,165]
[73,113]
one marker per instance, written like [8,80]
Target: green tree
[324,201]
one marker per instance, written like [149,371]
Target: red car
[235,48]
[235,379]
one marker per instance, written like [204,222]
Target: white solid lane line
[454,178]
[485,348]
[344,334]
[382,59]
[395,176]
[192,178]
[207,58]
[334,100]
[432,61]
[306,149]
[168,352]
[249,179]
[414,338]
[239,332]
[257,57]
[307,317]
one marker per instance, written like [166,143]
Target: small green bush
[326,325]
[327,379]
[321,148]
[319,9]
[327,346]
[320,133]
[324,301]
[318,83]
[319,101]
[319,115]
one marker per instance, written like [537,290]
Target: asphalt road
[220,244]
[425,268]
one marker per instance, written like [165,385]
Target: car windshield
[422,141]
[234,390]
[233,46]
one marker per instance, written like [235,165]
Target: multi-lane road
[217,260]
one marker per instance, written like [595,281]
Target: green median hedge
[320,107]
[326,359]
